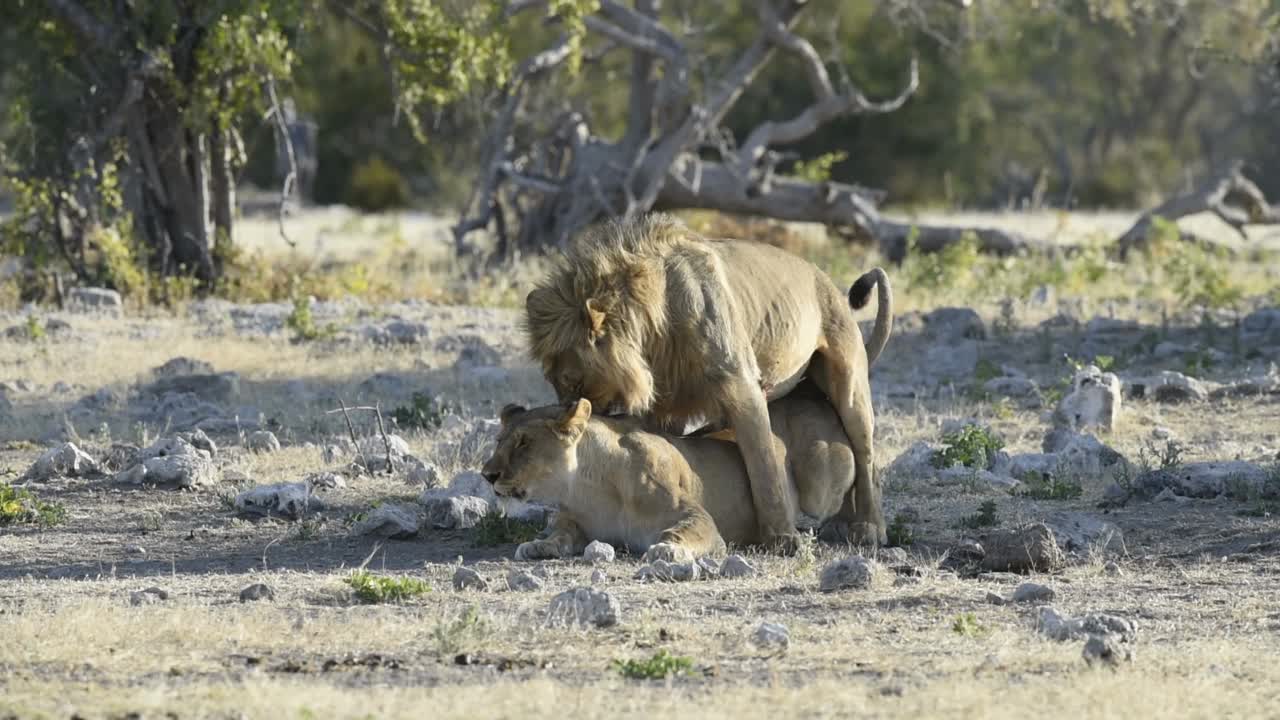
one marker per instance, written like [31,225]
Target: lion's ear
[595,312]
[574,419]
[510,412]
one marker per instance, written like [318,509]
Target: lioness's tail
[860,293]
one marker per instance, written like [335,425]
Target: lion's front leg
[566,539]
[694,535]
[748,415]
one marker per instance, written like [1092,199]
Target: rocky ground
[1085,508]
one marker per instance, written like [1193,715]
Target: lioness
[648,318]
[674,498]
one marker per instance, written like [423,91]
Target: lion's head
[593,321]
[536,447]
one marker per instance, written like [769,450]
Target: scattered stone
[395,522]
[1167,495]
[149,596]
[771,636]
[1094,401]
[669,552]
[326,480]
[954,323]
[664,571]
[1162,433]
[135,550]
[1106,650]
[1033,592]
[473,484]
[994,598]
[425,474]
[289,500]
[182,366]
[372,454]
[395,332]
[201,441]
[855,573]
[213,387]
[1235,478]
[959,474]
[102,400]
[256,592]
[950,361]
[465,578]
[1012,387]
[1030,548]
[263,441]
[448,512]
[1261,323]
[584,606]
[1167,387]
[599,576]
[66,460]
[332,453]
[472,351]
[598,552]
[171,461]
[523,581]
[914,463]
[1059,627]
[95,299]
[1082,454]
[1112,568]
[736,566]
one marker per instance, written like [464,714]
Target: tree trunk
[222,185]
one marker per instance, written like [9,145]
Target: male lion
[674,498]
[648,318]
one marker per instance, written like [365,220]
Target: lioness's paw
[857,533]
[669,552]
[537,550]
[783,544]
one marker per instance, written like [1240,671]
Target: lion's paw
[785,544]
[537,550]
[669,552]
[843,532]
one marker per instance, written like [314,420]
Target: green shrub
[303,324]
[984,518]
[900,534]
[661,665]
[18,506]
[372,588]
[423,412]
[498,529]
[468,630]
[967,625]
[972,446]
[376,186]
[1050,488]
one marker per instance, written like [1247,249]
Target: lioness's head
[591,350]
[536,448]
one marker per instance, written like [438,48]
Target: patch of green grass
[1153,457]
[498,529]
[18,506]
[661,665]
[1261,509]
[899,531]
[423,412]
[460,635]
[971,446]
[1050,488]
[35,329]
[372,588]
[301,322]
[967,625]
[984,518]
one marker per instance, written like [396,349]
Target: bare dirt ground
[1200,578]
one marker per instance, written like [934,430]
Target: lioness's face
[536,448]
[611,373]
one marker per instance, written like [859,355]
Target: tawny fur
[648,318]
[615,482]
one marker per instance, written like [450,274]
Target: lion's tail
[860,293]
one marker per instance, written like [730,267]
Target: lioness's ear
[510,412]
[595,318]
[574,419]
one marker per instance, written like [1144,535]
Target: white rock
[425,474]
[736,566]
[598,552]
[465,578]
[94,299]
[449,512]
[1167,387]
[326,481]
[1236,478]
[855,572]
[914,463]
[664,571]
[149,596]
[396,522]
[473,484]
[771,636]
[523,581]
[263,441]
[1033,592]
[584,606]
[599,576]
[954,323]
[66,460]
[257,591]
[669,552]
[1094,401]
[1059,627]
[291,500]
[183,471]
[1106,650]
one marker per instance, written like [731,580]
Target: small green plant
[972,446]
[301,322]
[1105,363]
[899,531]
[424,412]
[498,529]
[661,665]
[818,169]
[375,186]
[986,370]
[1050,488]
[468,630]
[967,625]
[372,588]
[984,518]
[1153,457]
[35,329]
[18,506]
